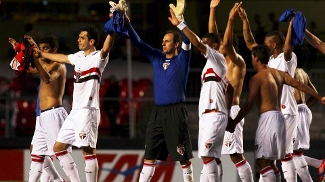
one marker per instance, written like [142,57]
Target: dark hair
[177,37]
[213,37]
[92,33]
[52,40]
[302,53]
[278,37]
[235,41]
[262,52]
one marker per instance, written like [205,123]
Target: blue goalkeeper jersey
[170,75]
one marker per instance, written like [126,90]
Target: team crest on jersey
[180,149]
[228,142]
[166,65]
[208,144]
[82,135]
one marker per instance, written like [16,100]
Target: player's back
[303,78]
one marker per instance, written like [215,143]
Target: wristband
[181,26]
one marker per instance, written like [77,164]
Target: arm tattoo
[248,36]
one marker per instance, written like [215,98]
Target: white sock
[45,177]
[261,178]
[36,168]
[267,174]
[51,170]
[313,162]
[188,172]
[68,165]
[220,171]
[244,171]
[289,169]
[147,172]
[211,169]
[203,176]
[302,168]
[91,168]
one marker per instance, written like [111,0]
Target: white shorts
[233,142]
[212,127]
[47,127]
[80,128]
[270,134]
[290,128]
[302,140]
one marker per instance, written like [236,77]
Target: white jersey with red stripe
[288,102]
[87,76]
[214,83]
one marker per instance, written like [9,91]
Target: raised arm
[311,101]
[247,32]
[228,38]
[315,41]
[212,25]
[194,39]
[287,49]
[60,58]
[107,46]
[144,48]
[52,72]
[288,80]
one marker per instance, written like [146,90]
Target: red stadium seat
[104,85]
[69,86]
[104,127]
[25,118]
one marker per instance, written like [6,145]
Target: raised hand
[323,100]
[234,10]
[173,18]
[121,6]
[179,9]
[214,3]
[30,40]
[13,42]
[242,13]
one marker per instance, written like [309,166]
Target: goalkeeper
[167,131]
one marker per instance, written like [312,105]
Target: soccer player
[80,128]
[167,131]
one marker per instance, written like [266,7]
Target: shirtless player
[265,88]
[52,114]
[236,70]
